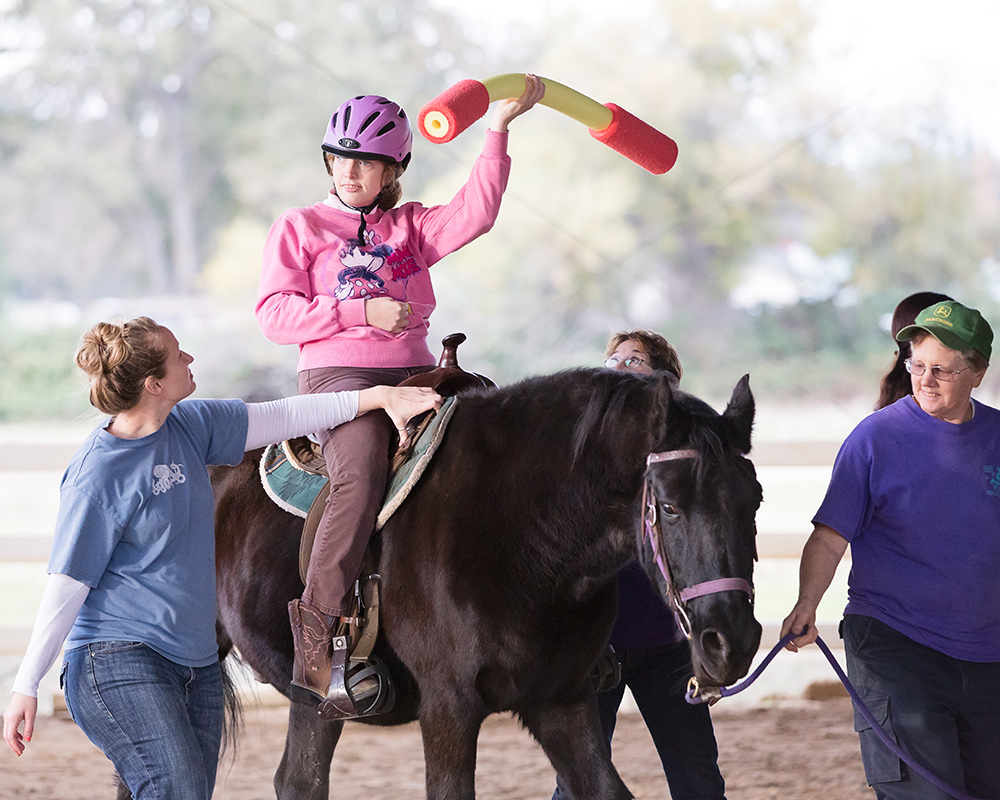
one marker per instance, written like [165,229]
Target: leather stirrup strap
[369,615]
[309,528]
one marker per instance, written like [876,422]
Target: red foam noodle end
[454,110]
[637,141]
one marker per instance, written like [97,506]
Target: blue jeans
[945,713]
[682,733]
[159,723]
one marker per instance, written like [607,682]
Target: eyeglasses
[939,373]
[632,362]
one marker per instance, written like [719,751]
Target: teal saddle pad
[291,488]
[294,490]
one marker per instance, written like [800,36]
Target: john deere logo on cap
[939,316]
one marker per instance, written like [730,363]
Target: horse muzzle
[722,654]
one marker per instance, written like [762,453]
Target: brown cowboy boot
[312,631]
[346,689]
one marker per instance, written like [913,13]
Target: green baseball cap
[954,325]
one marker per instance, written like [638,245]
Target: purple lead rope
[693,697]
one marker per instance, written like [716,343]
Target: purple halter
[653,533]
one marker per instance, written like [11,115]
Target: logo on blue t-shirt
[993,476]
[167,477]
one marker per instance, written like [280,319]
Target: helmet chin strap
[362,211]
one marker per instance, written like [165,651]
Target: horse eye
[670,512]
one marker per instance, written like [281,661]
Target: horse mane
[692,422]
[609,393]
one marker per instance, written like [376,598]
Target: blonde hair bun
[117,357]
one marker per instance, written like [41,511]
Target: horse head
[699,504]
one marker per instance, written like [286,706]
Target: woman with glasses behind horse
[915,491]
[655,655]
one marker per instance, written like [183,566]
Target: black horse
[497,589]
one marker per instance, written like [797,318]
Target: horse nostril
[714,645]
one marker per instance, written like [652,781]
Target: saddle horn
[448,378]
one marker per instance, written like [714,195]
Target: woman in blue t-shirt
[131,589]
[915,492]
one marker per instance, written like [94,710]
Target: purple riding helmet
[372,127]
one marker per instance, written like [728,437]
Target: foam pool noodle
[454,110]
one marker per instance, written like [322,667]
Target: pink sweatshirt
[316,278]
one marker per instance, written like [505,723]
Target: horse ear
[665,388]
[739,413]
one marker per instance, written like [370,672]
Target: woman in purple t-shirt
[915,492]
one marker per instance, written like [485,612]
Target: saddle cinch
[294,476]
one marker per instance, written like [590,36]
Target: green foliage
[40,380]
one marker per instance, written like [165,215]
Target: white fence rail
[47,456]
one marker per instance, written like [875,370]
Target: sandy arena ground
[790,749]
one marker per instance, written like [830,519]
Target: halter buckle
[695,694]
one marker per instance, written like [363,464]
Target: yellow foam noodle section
[558,97]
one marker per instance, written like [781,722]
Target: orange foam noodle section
[637,141]
[453,111]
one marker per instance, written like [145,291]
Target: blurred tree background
[147,145]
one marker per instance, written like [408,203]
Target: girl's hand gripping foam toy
[454,110]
